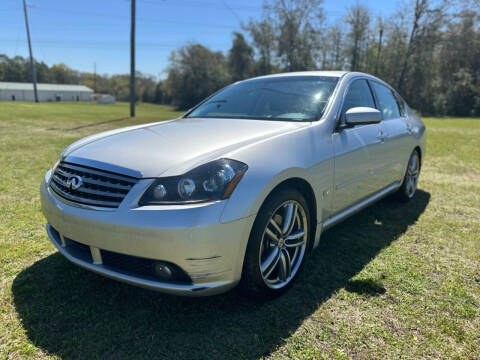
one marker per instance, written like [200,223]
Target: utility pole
[380,35]
[32,62]
[132,61]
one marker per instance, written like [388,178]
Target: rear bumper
[193,238]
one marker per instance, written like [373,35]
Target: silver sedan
[239,189]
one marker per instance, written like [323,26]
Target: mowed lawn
[396,281]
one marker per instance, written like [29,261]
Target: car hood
[173,147]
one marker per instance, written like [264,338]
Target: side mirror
[362,115]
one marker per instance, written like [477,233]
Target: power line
[156,21]
[231,10]
[96,44]
[119,28]
[205,5]
[144,19]
[99,43]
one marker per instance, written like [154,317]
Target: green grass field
[393,282]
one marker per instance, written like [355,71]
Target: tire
[410,181]
[276,248]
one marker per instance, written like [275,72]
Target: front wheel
[410,181]
[277,245]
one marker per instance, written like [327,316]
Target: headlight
[54,167]
[59,159]
[215,180]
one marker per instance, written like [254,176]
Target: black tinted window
[294,98]
[386,101]
[401,104]
[358,95]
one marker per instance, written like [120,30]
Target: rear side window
[386,101]
[401,104]
[358,95]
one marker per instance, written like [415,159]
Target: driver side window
[386,101]
[358,95]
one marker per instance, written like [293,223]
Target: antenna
[32,62]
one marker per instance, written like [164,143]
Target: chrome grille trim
[99,187]
[91,181]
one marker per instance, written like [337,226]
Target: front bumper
[191,237]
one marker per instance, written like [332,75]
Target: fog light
[162,271]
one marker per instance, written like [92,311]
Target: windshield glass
[290,98]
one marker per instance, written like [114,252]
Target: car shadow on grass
[71,313]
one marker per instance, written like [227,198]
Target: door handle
[381,136]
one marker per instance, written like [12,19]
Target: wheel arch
[306,189]
[419,150]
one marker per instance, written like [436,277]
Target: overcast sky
[81,33]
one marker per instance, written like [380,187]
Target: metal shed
[12,91]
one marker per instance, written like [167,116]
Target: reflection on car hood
[173,147]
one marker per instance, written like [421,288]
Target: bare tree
[296,24]
[358,18]
[336,38]
[240,58]
[425,20]
[331,48]
[263,38]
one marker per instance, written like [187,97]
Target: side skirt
[353,210]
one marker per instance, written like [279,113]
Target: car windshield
[289,98]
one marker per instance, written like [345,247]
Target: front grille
[98,188]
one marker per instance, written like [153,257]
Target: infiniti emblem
[74,182]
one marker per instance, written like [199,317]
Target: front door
[358,152]
[397,144]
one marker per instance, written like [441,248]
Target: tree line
[17,69]
[429,50]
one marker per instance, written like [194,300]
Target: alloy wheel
[413,171]
[283,244]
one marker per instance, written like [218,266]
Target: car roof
[328,73]
[337,74]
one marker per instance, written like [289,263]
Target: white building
[104,98]
[12,91]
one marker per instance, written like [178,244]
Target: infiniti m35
[239,189]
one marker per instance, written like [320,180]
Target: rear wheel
[277,245]
[410,181]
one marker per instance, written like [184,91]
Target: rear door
[358,151]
